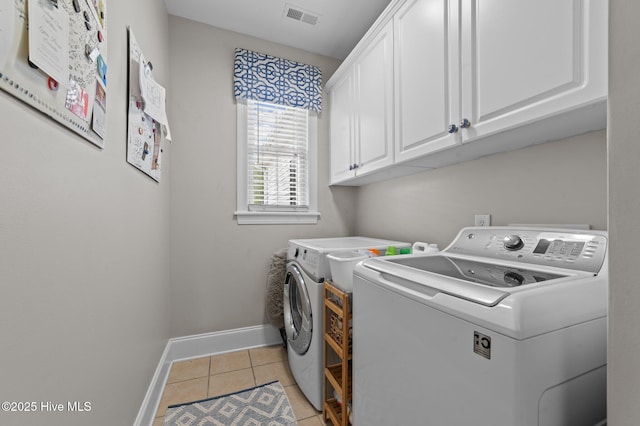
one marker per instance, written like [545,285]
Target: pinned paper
[93,8]
[49,38]
[92,53]
[99,123]
[77,100]
[152,93]
[146,116]
[154,97]
[166,132]
[102,70]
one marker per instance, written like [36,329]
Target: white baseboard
[197,346]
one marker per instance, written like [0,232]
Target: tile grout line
[253,371]
[209,377]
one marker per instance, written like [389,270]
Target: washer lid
[487,296]
[489,274]
[475,281]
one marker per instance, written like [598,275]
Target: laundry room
[109,275]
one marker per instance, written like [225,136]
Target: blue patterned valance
[280,81]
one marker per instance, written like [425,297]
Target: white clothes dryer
[307,270]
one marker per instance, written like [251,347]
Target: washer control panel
[308,259]
[570,249]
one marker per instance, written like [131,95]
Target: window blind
[277,156]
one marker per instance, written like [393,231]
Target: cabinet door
[342,129]
[374,94]
[426,77]
[524,60]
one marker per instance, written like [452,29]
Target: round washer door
[297,310]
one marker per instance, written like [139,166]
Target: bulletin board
[146,117]
[53,57]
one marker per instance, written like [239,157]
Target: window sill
[277,218]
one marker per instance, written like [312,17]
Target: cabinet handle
[464,123]
[453,128]
[355,166]
[350,166]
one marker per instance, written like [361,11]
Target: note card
[49,39]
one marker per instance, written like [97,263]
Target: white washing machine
[307,269]
[505,327]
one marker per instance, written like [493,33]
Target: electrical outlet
[483,220]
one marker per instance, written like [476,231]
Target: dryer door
[297,310]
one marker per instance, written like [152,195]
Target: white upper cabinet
[362,112]
[524,60]
[374,94]
[481,67]
[426,78]
[435,82]
[342,133]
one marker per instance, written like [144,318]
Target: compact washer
[506,326]
[307,269]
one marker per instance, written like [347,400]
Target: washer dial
[513,242]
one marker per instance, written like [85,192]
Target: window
[276,164]
[277,156]
[277,102]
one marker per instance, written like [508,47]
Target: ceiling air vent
[301,15]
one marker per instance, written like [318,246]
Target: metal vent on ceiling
[298,14]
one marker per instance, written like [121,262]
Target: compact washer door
[297,310]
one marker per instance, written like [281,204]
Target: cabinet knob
[453,128]
[350,166]
[464,123]
[355,166]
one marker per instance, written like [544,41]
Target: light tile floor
[216,375]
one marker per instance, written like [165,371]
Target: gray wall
[84,279]
[624,211]
[218,268]
[561,182]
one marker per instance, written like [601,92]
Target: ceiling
[340,23]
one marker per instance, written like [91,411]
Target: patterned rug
[260,406]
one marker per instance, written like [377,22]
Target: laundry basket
[342,264]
